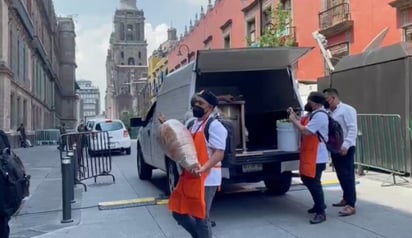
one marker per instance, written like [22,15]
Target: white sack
[178,144]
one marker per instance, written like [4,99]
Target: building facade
[351,25]
[158,64]
[89,96]
[126,63]
[403,18]
[37,66]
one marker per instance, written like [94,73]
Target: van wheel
[172,176]
[144,170]
[279,185]
[128,151]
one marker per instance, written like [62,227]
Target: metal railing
[92,154]
[382,143]
[334,15]
[47,137]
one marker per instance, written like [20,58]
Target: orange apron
[308,152]
[189,194]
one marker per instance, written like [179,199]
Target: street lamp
[179,53]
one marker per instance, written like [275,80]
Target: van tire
[279,185]
[128,151]
[172,176]
[143,169]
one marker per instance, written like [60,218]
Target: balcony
[401,4]
[335,20]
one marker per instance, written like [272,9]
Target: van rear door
[248,59]
[216,66]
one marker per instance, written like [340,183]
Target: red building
[404,18]
[349,27]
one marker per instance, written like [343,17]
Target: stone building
[37,66]
[126,63]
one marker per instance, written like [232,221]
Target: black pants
[4,227]
[345,170]
[314,186]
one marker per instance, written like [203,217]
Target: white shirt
[320,123]
[217,140]
[346,116]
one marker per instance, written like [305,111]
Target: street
[244,211]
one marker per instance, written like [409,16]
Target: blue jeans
[198,228]
[345,170]
[314,186]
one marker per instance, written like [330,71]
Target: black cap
[317,97]
[209,97]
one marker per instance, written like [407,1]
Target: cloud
[197,2]
[92,43]
[155,36]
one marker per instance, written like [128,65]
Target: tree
[278,32]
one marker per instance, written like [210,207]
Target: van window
[109,126]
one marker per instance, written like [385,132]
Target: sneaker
[312,210]
[347,211]
[342,203]
[318,218]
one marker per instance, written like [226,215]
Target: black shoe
[212,223]
[318,218]
[312,210]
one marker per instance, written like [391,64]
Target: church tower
[126,62]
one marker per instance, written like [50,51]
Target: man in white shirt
[213,147]
[343,161]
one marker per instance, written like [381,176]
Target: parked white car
[118,136]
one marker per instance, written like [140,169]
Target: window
[18,59]
[408,34]
[122,55]
[130,33]
[130,61]
[140,55]
[11,48]
[251,31]
[339,51]
[267,18]
[286,4]
[121,31]
[226,41]
[208,42]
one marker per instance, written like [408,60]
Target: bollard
[70,154]
[66,187]
[75,163]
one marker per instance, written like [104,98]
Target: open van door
[248,59]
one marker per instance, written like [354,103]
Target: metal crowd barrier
[47,137]
[382,144]
[92,154]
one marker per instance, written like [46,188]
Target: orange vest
[308,152]
[189,194]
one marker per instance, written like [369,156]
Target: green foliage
[280,32]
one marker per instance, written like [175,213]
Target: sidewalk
[41,214]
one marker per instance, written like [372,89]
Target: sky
[94,24]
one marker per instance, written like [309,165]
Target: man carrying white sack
[192,198]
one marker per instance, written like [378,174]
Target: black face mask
[308,107]
[326,105]
[198,112]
